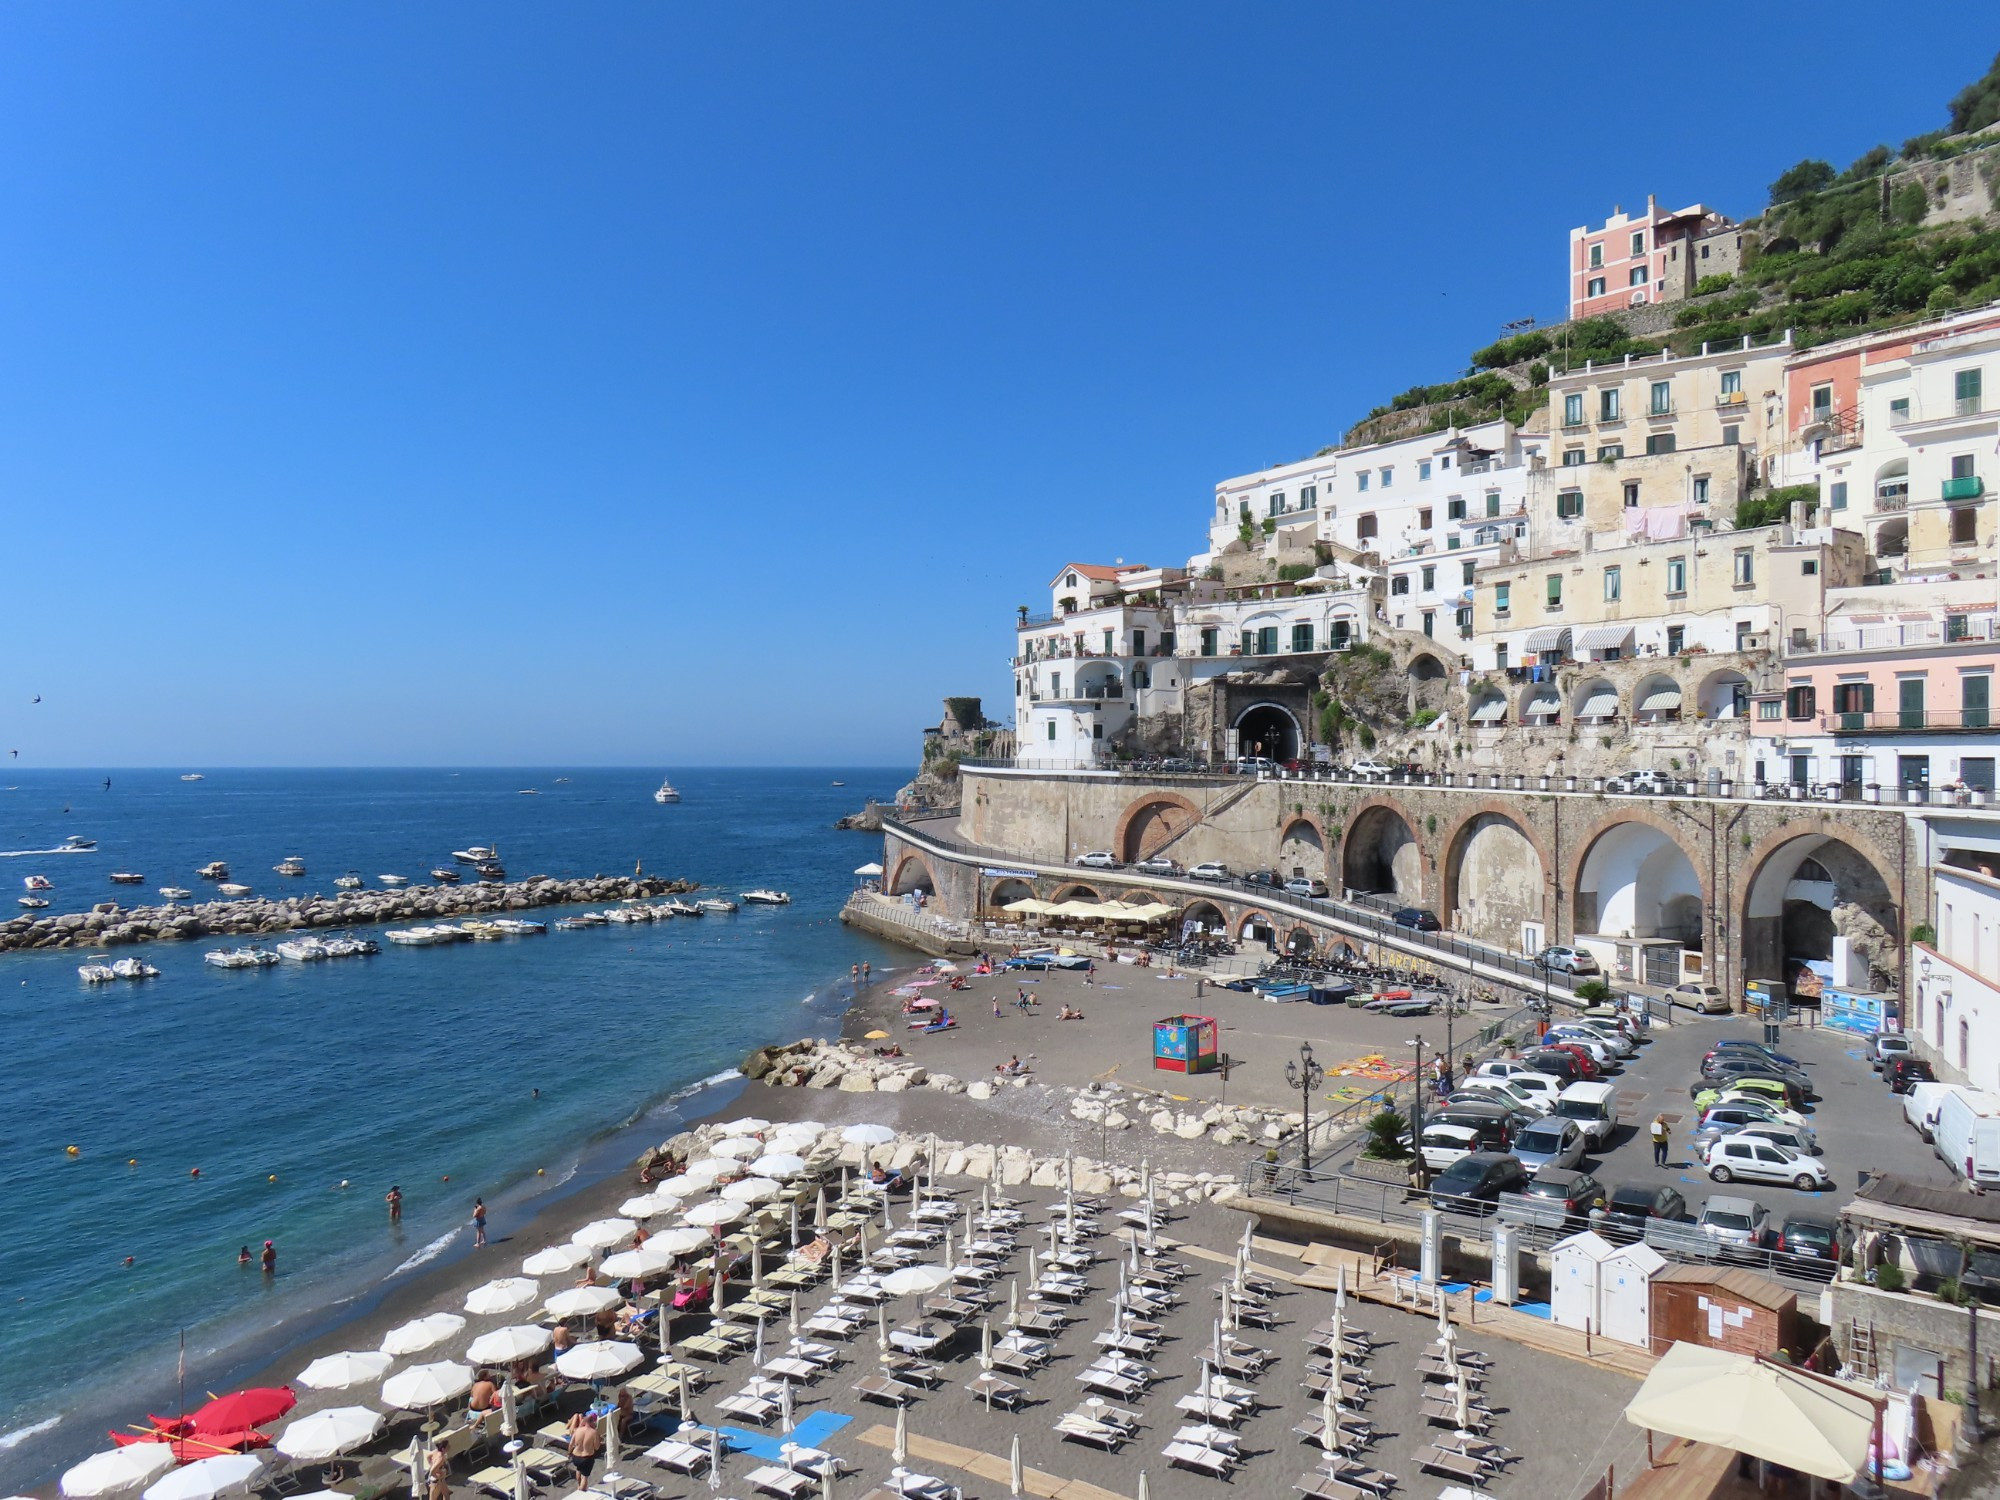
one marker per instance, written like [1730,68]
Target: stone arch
[1892,537]
[1656,700]
[1426,667]
[1488,709]
[1631,876]
[1494,875]
[1539,703]
[1204,914]
[1253,922]
[1149,822]
[1301,943]
[1595,701]
[912,872]
[1271,726]
[1789,915]
[1724,694]
[1302,848]
[1076,891]
[1379,852]
[1006,892]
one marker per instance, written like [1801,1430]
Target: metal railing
[1908,720]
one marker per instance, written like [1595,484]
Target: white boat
[175,892]
[666,793]
[134,968]
[416,937]
[126,877]
[291,864]
[761,897]
[527,791]
[580,920]
[393,881]
[39,883]
[478,854]
[230,890]
[682,908]
[194,776]
[519,926]
[625,916]
[351,881]
[95,973]
[240,958]
[34,903]
[351,947]
[76,843]
[304,950]
[716,904]
[215,869]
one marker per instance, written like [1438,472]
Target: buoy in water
[194,1171]
[272,1178]
[72,1151]
[539,1172]
[132,1161]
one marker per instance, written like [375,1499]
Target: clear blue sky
[674,383]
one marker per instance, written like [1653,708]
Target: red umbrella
[241,1411]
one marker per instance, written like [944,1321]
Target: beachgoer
[394,1198]
[1659,1129]
[864,973]
[270,1259]
[883,1179]
[584,1442]
[1090,972]
[996,1007]
[854,975]
[1021,999]
[478,1222]
[534,1093]
[438,1467]
[628,1414]
[243,1256]
[485,1394]
[559,1338]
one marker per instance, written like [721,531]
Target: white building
[1955,997]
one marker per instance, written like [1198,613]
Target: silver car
[1797,1138]
[1550,1142]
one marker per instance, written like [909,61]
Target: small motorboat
[445,875]
[716,904]
[392,881]
[840,783]
[34,903]
[95,973]
[175,892]
[580,921]
[561,780]
[762,897]
[240,958]
[519,926]
[230,890]
[76,843]
[666,793]
[304,950]
[490,869]
[133,968]
[527,791]
[419,937]
[39,883]
[126,877]
[682,908]
[291,864]
[481,931]
[478,854]
[351,881]
[194,776]
[351,947]
[215,869]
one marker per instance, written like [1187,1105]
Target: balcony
[1892,497]
[1910,721]
[1951,631]
[1736,400]
[1971,487]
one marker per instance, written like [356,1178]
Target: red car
[1586,1064]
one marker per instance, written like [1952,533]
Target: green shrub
[1889,1277]
[1909,203]
[1808,177]
[1594,991]
[1293,572]
[1420,718]
[1923,932]
[1772,506]
[1710,284]
[1384,1137]
[1977,105]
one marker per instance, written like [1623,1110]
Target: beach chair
[886,1389]
[1212,1408]
[1452,1465]
[1353,1471]
[1208,1435]
[709,1346]
[1485,1450]
[682,1458]
[790,1367]
[497,1481]
[1015,1361]
[989,1389]
[1124,1387]
[914,1371]
[1326,1487]
[1445,1414]
[776,1479]
[759,1411]
[1086,1429]
[1211,1461]
[541,1462]
[1047,1324]
[1356,1430]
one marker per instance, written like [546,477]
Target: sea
[152,1129]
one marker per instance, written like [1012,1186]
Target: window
[1977,771]
[1809,567]
[1701,489]
[1660,442]
[1465,572]
[1596,255]
[1138,643]
[1361,481]
[1110,642]
[1676,638]
[1572,458]
[1975,698]
[1364,527]
[1555,582]
[1573,409]
[1069,582]
[1851,702]
[1596,287]
[1430,578]
[1614,585]
[1732,382]
[1277,507]
[1836,495]
[1607,405]
[1742,635]
[1492,502]
[1424,519]
[1853,769]
[1569,504]
[1637,276]
[1677,575]
[1302,636]
[1502,594]
[1451,542]
[1899,411]
[1400,584]
[1388,478]
[1423,468]
[1454,509]
[1800,701]
[1632,494]
[1822,402]
[1267,641]
[1769,708]
[1662,398]
[1209,635]
[1097,731]
[1732,435]
[1308,497]
[1055,684]
[1639,242]
[1745,567]
[1500,656]
[1965,391]
[1964,525]
[1052,728]
[1167,643]
[1610,451]
[1445,462]
[1961,466]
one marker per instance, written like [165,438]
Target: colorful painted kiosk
[1185,1044]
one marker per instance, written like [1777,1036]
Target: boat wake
[38,853]
[428,1254]
[21,1434]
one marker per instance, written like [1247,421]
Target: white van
[1594,1107]
[1920,1105]
[1966,1136]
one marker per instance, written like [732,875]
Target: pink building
[1656,256]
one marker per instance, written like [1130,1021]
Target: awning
[1491,712]
[1548,638]
[1749,1406]
[1602,704]
[1605,638]
[869,869]
[1660,699]
[1547,701]
[1032,906]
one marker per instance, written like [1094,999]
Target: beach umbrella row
[423,1333]
[328,1434]
[502,1296]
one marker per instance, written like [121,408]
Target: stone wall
[1918,1323]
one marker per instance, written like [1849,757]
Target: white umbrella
[1014,1476]
[505,1345]
[640,1261]
[502,1296]
[785,1423]
[1329,1418]
[985,1345]
[682,1241]
[1340,1288]
[740,1147]
[648,1206]
[328,1434]
[715,1458]
[916,1281]
[602,1359]
[339,1372]
[900,1452]
[118,1471]
[602,1234]
[778,1164]
[1462,1405]
[752,1190]
[205,1478]
[1144,1493]
[868,1135]
[682,1186]
[426,1385]
[423,1333]
[748,1125]
[583,1301]
[702,1174]
[555,1260]
[715,1213]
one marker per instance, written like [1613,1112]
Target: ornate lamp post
[1306,1076]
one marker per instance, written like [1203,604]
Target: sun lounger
[777,1480]
[1124,1387]
[914,1371]
[1326,1487]
[540,1460]
[682,1458]
[1453,1465]
[1350,1392]
[886,1389]
[1460,1492]
[760,1411]
[497,1481]
[1352,1471]
[1083,1429]
[1212,1408]
[1437,1370]
[1014,1362]
[708,1346]
[1048,1324]
[1445,1414]
[1208,1435]
[1125,1343]
[988,1388]
[790,1367]
[1206,1460]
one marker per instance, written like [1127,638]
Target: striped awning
[1660,700]
[1545,702]
[1548,638]
[1602,704]
[1490,712]
[1605,638]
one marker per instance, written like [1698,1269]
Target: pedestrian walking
[478,1223]
[1659,1141]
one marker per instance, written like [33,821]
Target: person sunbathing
[1012,1068]
[889,1181]
[1069,1013]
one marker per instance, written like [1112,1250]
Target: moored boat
[304,950]
[126,877]
[34,903]
[490,869]
[716,904]
[95,973]
[392,881]
[477,854]
[39,883]
[240,958]
[232,890]
[351,881]
[133,968]
[215,869]
[445,875]
[175,892]
[519,926]
[682,908]
[291,864]
[764,897]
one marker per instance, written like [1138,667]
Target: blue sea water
[416,1067]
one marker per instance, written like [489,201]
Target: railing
[1969,487]
[1908,720]
[893,911]
[1953,630]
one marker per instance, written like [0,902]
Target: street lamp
[1306,1076]
[1417,1107]
[1970,1283]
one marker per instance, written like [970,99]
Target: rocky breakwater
[109,925]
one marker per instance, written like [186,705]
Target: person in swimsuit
[394,1198]
[478,1222]
[270,1258]
[584,1442]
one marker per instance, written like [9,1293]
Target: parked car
[1920,1106]
[1567,960]
[1098,859]
[1255,765]
[1750,1106]
[1178,764]
[1211,869]
[1904,1071]
[1300,886]
[1555,1062]
[1754,1159]
[1739,1223]
[1267,877]
[1588,1067]
[1520,1075]
[1474,1183]
[1367,767]
[1601,1051]
[1797,1138]
[1705,998]
[1889,1046]
[1594,1107]
[1781,1091]
[1578,1192]
[1509,1092]
[1731,1063]
[1651,782]
[1159,864]
[1633,1204]
[1419,919]
[1810,1237]
[1623,1042]
[1738,1044]
[1468,1107]
[1550,1142]
[1443,1145]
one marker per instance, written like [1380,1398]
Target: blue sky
[641,383]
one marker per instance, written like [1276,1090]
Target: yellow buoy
[539,1172]
[272,1178]
[73,1150]
[132,1161]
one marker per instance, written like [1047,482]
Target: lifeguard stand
[1185,1044]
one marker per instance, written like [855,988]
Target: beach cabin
[1733,1309]
[1185,1044]
[1604,1288]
